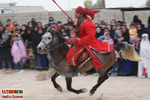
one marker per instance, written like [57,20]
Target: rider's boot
[74,70]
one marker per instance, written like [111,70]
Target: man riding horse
[102,54]
[84,39]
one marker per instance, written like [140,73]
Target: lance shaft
[63,11]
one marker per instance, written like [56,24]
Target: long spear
[63,11]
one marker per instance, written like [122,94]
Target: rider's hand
[76,38]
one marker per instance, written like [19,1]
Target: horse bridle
[53,47]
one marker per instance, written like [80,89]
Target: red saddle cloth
[83,57]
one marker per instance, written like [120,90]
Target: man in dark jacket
[5,50]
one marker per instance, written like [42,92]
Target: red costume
[85,33]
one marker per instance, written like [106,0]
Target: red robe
[87,42]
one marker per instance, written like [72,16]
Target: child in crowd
[51,20]
[64,33]
[108,39]
[134,39]
[18,53]
[5,50]
[118,34]
[59,24]
[7,30]
[145,55]
[101,37]
[72,33]
[10,24]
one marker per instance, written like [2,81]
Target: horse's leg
[100,81]
[69,86]
[53,79]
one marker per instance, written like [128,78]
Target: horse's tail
[127,51]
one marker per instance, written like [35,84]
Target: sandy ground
[115,88]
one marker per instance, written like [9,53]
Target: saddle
[83,58]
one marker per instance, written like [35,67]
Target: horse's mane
[59,35]
[64,48]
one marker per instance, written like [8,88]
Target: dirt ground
[115,88]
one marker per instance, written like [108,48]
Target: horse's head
[44,44]
[50,40]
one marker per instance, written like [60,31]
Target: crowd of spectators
[28,36]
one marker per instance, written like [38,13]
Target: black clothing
[98,34]
[36,39]
[126,36]
[5,50]
[140,32]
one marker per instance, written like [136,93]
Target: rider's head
[79,15]
[81,12]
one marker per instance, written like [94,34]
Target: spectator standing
[118,34]
[1,31]
[139,30]
[51,21]
[113,22]
[125,34]
[10,24]
[145,55]
[70,22]
[5,50]
[30,25]
[45,27]
[59,24]
[33,21]
[98,32]
[108,39]
[66,26]
[64,33]
[136,20]
[117,39]
[39,25]
[14,23]
[18,53]
[7,30]
[23,32]
[72,33]
[50,60]
[28,38]
[41,59]
[134,39]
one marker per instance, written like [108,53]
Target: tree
[88,4]
[148,3]
[98,4]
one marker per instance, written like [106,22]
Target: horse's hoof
[91,93]
[83,90]
[59,89]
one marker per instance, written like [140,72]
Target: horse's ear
[48,29]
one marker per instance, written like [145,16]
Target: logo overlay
[11,94]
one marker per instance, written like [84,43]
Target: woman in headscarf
[41,59]
[145,55]
[98,32]
[137,20]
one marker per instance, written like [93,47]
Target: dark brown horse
[53,42]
